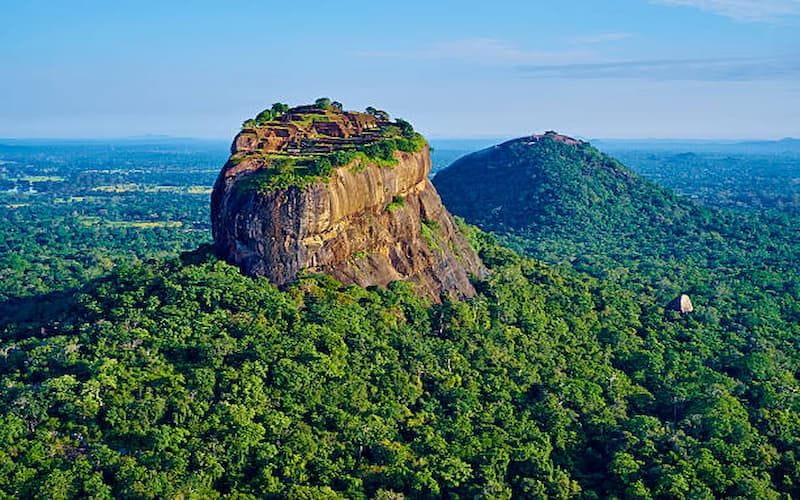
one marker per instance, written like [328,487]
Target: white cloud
[742,10]
[481,50]
[711,70]
[600,38]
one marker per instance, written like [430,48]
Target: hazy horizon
[636,69]
[166,137]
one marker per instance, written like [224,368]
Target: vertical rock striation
[363,223]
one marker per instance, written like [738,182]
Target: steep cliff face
[362,223]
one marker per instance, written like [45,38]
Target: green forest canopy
[182,377]
[185,377]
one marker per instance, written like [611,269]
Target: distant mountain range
[786,145]
[138,140]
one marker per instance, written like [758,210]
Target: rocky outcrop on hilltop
[347,194]
[555,136]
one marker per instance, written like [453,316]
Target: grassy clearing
[90,221]
[139,188]
[42,178]
[78,199]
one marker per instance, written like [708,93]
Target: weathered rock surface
[307,129]
[368,226]
[555,136]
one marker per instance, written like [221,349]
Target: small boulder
[682,304]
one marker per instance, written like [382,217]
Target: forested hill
[551,182]
[186,378]
[565,202]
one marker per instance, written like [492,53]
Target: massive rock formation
[361,223]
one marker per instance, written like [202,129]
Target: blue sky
[614,68]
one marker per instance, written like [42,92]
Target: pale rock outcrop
[682,304]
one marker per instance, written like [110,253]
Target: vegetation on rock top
[321,137]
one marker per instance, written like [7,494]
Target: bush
[284,165]
[397,202]
[322,167]
[264,117]
[383,150]
[341,157]
[410,145]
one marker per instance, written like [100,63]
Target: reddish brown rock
[565,139]
[304,123]
[344,227]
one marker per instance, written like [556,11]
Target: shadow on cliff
[20,316]
[35,315]
[60,312]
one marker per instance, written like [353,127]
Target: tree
[377,113]
[279,109]
[405,128]
[323,103]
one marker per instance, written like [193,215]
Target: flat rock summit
[320,190]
